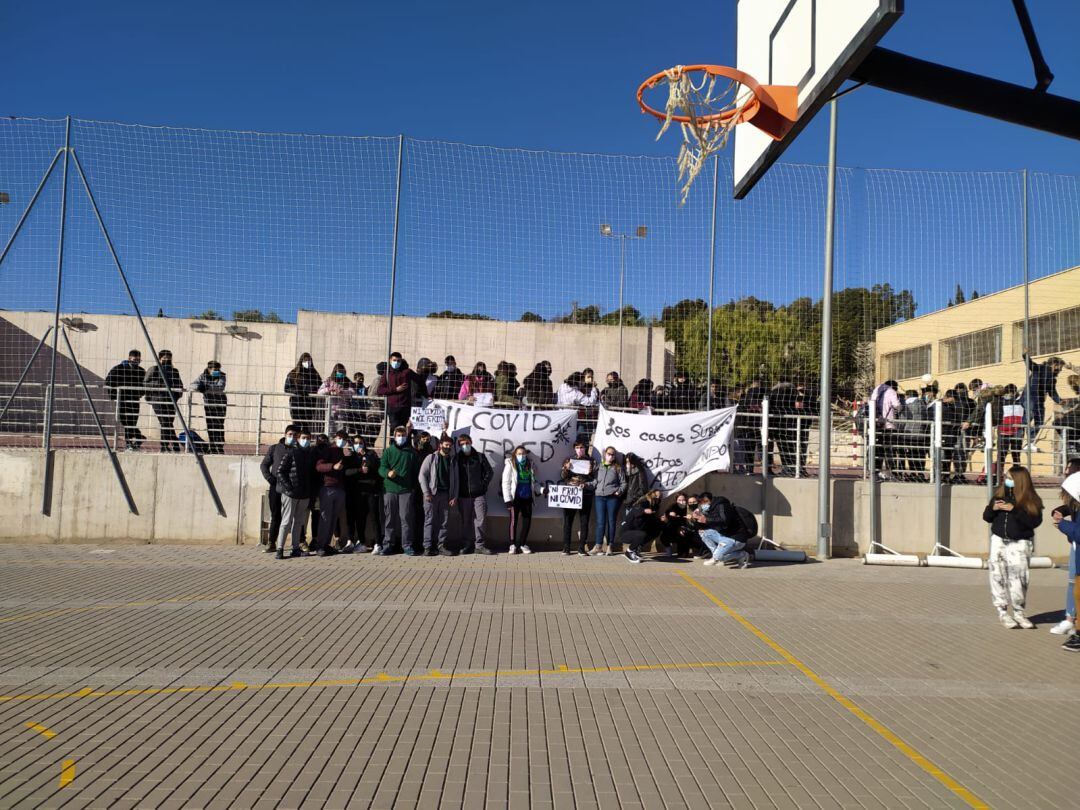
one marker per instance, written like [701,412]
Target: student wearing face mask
[211,384]
[678,537]
[439,488]
[449,383]
[399,468]
[332,465]
[270,467]
[474,474]
[720,529]
[615,394]
[579,471]
[338,390]
[163,387]
[397,386]
[1014,512]
[642,523]
[364,496]
[301,384]
[519,487]
[124,385]
[296,482]
[479,387]
[610,488]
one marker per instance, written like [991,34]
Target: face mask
[306,364]
[165,361]
[520,458]
[340,442]
[704,507]
[340,376]
[288,440]
[215,373]
[445,450]
[466,449]
[305,442]
[451,368]
[399,441]
[359,448]
[580,452]
[394,364]
[1009,483]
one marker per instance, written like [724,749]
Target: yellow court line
[962,792]
[40,729]
[383,678]
[67,772]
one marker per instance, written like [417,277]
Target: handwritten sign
[565,497]
[677,449]
[580,466]
[432,418]
[547,435]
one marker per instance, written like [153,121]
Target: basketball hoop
[707,116]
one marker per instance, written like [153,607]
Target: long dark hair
[298,369]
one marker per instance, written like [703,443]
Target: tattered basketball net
[707,116]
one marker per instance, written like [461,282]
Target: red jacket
[390,381]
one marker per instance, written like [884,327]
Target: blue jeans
[1070,597]
[722,548]
[606,507]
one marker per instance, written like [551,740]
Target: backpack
[748,521]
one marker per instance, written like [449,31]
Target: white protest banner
[432,418]
[677,449]
[547,435]
[561,496]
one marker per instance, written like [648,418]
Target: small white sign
[565,497]
[432,419]
[580,466]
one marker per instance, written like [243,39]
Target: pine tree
[959,297]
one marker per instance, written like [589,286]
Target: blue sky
[230,221]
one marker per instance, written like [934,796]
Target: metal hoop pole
[825,414]
[394,247]
[712,283]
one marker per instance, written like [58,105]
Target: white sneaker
[513,549]
[1007,621]
[377,549]
[1023,621]
[525,549]
[711,561]
[1063,628]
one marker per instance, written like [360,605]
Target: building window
[904,365]
[1049,334]
[982,348]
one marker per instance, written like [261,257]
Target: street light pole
[639,233]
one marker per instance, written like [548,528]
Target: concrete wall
[1005,308]
[174,507]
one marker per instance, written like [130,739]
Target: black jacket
[296,476]
[365,475]
[212,388]
[682,397]
[537,387]
[302,383]
[637,484]
[474,473]
[448,386]
[637,520]
[127,376]
[160,378]
[721,517]
[1014,525]
[271,462]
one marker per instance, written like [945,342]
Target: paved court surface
[183,677]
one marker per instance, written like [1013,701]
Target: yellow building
[984,338]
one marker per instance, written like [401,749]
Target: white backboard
[812,44]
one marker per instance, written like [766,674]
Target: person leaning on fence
[296,484]
[439,487]
[1067,519]
[682,394]
[474,474]
[396,386]
[610,488]
[363,494]
[301,384]
[536,388]
[270,467]
[426,373]
[1067,419]
[338,390]
[519,487]
[722,531]
[1041,383]
[211,384]
[163,386]
[887,400]
[571,393]
[399,468]
[449,382]
[1014,512]
[584,478]
[642,524]
[124,383]
[615,394]
[479,387]
[641,396]
[1011,430]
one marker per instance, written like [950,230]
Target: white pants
[294,514]
[1009,572]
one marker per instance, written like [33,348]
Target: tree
[460,316]
[208,315]
[255,316]
[579,314]
[974,295]
[959,296]
[531,317]
[631,316]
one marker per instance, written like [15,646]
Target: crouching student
[642,524]
[719,525]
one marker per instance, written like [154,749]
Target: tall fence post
[1030,432]
[936,461]
[798,446]
[393,268]
[258,425]
[871,427]
[825,420]
[712,283]
[765,459]
[988,448]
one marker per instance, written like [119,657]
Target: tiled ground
[173,677]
